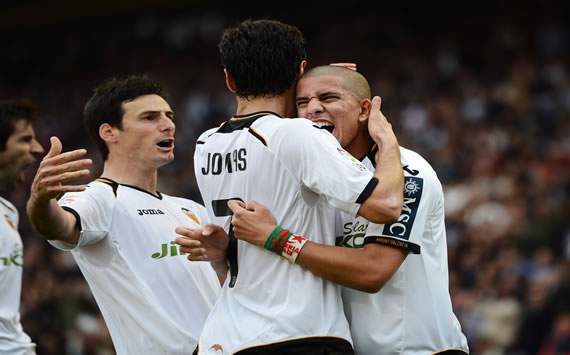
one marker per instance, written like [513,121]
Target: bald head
[352,81]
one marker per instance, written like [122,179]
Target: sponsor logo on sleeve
[413,187]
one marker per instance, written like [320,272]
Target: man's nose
[37,147]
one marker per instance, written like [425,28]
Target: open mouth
[325,125]
[166,143]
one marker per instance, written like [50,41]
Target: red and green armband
[284,243]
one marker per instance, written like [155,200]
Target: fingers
[62,189]
[351,66]
[55,147]
[210,229]
[236,205]
[376,103]
[193,248]
[188,232]
[62,158]
[64,177]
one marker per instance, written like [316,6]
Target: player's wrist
[284,243]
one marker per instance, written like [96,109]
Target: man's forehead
[147,103]
[316,84]
[22,126]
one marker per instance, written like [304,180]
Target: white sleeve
[325,168]
[407,231]
[93,209]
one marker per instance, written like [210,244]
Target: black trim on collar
[114,185]
[371,154]
[158,194]
[257,135]
[8,206]
[242,121]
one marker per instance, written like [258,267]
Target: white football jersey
[152,298]
[412,314]
[13,340]
[300,173]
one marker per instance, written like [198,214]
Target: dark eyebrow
[168,113]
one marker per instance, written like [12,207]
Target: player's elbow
[384,211]
[371,283]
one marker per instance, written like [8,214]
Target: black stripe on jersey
[8,207]
[114,185]
[392,242]
[257,135]
[367,190]
[243,121]
[74,213]
[200,142]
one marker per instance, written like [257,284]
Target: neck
[283,105]
[359,147]
[127,173]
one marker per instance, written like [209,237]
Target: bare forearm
[53,222]
[357,268]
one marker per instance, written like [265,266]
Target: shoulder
[206,134]
[184,202]
[100,190]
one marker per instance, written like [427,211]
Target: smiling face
[147,133]
[21,150]
[326,99]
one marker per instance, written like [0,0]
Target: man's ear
[230,83]
[365,107]
[302,67]
[108,133]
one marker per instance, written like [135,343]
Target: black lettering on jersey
[353,235]
[149,211]
[410,171]
[228,162]
[413,188]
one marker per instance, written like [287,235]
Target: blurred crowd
[485,101]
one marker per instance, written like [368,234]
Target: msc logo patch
[413,188]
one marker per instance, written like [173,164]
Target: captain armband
[284,243]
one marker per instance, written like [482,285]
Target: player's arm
[366,269]
[54,171]
[384,203]
[208,244]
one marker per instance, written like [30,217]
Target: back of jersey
[299,174]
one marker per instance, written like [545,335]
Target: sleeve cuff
[367,190]
[393,242]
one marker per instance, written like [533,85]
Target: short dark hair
[262,56]
[12,110]
[105,106]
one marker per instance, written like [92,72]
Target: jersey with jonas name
[13,340]
[412,314]
[301,174]
[153,300]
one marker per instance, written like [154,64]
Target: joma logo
[149,211]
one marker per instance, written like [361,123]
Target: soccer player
[300,172]
[119,228]
[412,313]
[18,147]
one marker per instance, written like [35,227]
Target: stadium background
[483,93]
